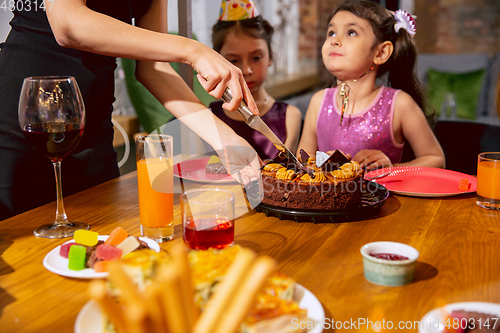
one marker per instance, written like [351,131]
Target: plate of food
[462,317]
[203,170]
[57,260]
[424,181]
[91,319]
[280,304]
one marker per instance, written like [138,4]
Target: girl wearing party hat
[368,122]
[243,37]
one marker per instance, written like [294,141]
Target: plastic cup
[208,219]
[155,181]
[488,180]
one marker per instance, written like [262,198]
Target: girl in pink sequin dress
[368,122]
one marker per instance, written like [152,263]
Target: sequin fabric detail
[369,129]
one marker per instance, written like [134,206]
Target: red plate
[194,170]
[423,182]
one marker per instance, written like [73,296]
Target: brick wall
[443,26]
[460,26]
[308,38]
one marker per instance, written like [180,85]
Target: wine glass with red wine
[52,118]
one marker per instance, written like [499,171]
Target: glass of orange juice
[488,180]
[155,180]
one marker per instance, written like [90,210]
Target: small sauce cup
[389,272]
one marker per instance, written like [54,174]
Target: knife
[259,125]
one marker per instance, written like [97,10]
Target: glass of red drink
[208,218]
[52,119]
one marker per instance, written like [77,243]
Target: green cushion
[465,86]
[151,114]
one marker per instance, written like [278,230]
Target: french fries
[220,300]
[167,305]
[97,291]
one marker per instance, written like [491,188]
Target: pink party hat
[235,10]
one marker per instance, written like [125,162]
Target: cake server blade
[259,125]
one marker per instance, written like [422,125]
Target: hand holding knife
[259,125]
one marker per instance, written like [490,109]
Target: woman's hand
[215,74]
[243,164]
[241,161]
[372,159]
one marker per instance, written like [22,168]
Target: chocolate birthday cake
[320,183]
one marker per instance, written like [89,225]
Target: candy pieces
[129,245]
[108,252]
[117,236]
[64,250]
[333,162]
[76,256]
[214,159]
[95,254]
[86,237]
[463,185]
[101,266]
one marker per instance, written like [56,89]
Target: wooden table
[457,240]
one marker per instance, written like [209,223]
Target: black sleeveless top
[27,177]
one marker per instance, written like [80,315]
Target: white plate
[91,320]
[59,265]
[315,311]
[433,321]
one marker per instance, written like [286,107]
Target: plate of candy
[88,254]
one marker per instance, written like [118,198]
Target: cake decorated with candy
[323,182]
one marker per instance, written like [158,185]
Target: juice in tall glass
[156,197]
[488,180]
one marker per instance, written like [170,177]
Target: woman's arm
[308,140]
[410,125]
[169,88]
[75,25]
[293,125]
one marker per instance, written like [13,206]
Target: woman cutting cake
[82,39]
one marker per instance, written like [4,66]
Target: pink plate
[422,181]
[194,170]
